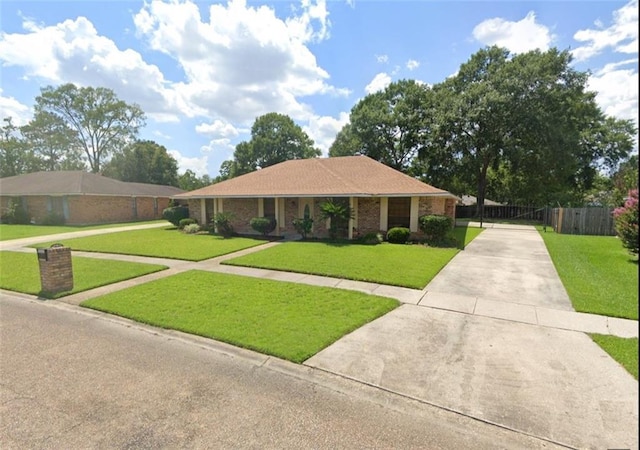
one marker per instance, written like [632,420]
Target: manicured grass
[161,242]
[287,320]
[599,275]
[464,235]
[625,351]
[410,266]
[20,272]
[22,231]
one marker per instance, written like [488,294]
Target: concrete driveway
[540,380]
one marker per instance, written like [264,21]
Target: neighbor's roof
[79,183]
[354,176]
[470,200]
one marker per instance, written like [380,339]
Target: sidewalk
[442,293]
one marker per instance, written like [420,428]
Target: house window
[270,208]
[399,212]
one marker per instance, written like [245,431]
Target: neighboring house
[379,196]
[84,198]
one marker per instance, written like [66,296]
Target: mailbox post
[56,272]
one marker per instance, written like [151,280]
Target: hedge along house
[379,196]
[84,198]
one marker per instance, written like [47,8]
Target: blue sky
[203,71]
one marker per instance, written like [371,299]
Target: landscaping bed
[20,273]
[286,320]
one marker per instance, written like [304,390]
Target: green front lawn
[625,351]
[20,272]
[599,275]
[161,242]
[287,320]
[8,232]
[410,266]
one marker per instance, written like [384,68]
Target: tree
[189,181]
[144,162]
[103,123]
[275,138]
[53,143]
[390,126]
[527,119]
[15,155]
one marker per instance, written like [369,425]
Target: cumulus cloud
[383,59]
[216,54]
[621,36]
[379,82]
[412,64]
[518,37]
[10,107]
[323,130]
[617,89]
[196,165]
[217,128]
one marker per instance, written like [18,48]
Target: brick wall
[243,210]
[194,210]
[368,215]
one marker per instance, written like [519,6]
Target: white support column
[384,213]
[277,213]
[353,205]
[413,218]
[220,203]
[203,212]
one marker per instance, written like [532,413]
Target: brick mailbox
[56,273]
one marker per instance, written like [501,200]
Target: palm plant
[336,213]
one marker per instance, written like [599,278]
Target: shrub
[222,224]
[435,227]
[53,218]
[184,222]
[175,214]
[303,226]
[191,228]
[626,218]
[371,239]
[398,235]
[336,212]
[263,225]
[15,213]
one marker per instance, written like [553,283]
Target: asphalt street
[73,378]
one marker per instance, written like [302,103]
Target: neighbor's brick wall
[368,215]
[99,209]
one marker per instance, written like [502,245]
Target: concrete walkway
[476,290]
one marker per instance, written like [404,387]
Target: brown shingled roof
[347,176]
[79,183]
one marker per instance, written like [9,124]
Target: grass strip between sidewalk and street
[600,276]
[161,243]
[14,231]
[20,272]
[287,320]
[625,351]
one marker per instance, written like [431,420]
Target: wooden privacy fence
[593,221]
[507,212]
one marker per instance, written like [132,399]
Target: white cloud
[617,89]
[323,130]
[379,82]
[517,37]
[197,165]
[217,128]
[10,107]
[412,64]
[621,36]
[160,134]
[383,59]
[216,55]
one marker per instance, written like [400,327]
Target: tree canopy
[518,127]
[144,162]
[103,124]
[275,138]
